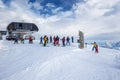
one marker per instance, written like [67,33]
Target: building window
[20,26]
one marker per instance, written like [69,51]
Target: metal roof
[22,27]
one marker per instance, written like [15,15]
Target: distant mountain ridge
[106,43]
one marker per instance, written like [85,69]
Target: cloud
[1,4]
[92,20]
[6,2]
[50,5]
[106,36]
[90,16]
[37,6]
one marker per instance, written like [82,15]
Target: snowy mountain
[35,62]
[112,44]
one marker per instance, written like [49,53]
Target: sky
[97,19]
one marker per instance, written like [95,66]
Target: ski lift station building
[19,29]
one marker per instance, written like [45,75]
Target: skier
[57,41]
[41,40]
[22,40]
[30,40]
[94,46]
[54,38]
[96,49]
[63,41]
[86,44]
[16,40]
[45,40]
[50,39]
[72,39]
[68,41]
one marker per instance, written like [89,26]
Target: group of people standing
[16,40]
[55,40]
[22,40]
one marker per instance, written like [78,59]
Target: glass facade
[22,26]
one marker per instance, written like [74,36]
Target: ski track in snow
[34,62]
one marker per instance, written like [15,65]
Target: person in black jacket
[72,39]
[67,41]
[16,40]
[41,40]
[50,39]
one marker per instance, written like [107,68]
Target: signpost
[81,40]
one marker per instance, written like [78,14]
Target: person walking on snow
[94,45]
[41,40]
[54,38]
[30,40]
[50,39]
[96,49]
[72,39]
[63,41]
[57,41]
[22,40]
[68,41]
[45,40]
[16,40]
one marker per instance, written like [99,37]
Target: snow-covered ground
[35,62]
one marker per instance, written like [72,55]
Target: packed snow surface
[35,62]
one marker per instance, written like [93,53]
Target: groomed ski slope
[35,62]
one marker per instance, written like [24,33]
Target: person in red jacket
[30,40]
[96,49]
[63,41]
[54,38]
